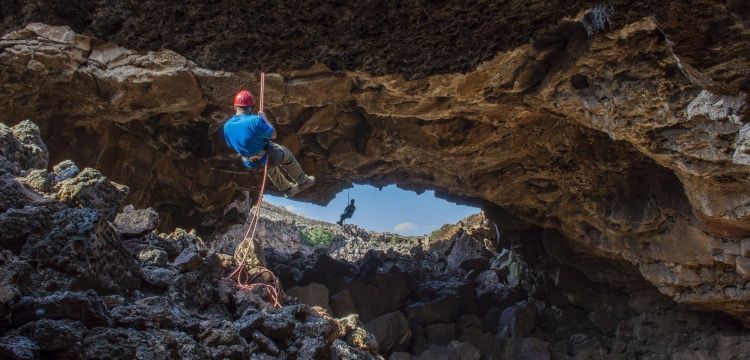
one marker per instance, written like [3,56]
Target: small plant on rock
[317,237]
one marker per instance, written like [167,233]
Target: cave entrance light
[391,209]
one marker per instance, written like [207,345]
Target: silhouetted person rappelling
[348,212]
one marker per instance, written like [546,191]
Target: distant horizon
[391,209]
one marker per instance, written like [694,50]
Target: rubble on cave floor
[84,278]
[464,293]
[80,281]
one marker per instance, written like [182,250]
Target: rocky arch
[610,135]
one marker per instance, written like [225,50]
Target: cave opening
[388,208]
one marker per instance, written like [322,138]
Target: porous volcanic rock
[72,287]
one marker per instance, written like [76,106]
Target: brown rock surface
[624,132]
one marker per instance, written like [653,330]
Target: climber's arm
[268,122]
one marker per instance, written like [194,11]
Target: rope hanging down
[241,275]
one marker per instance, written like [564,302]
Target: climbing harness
[241,276]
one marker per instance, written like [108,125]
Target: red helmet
[244,98]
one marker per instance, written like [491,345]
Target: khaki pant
[283,168]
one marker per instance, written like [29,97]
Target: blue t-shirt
[247,135]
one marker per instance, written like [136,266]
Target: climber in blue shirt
[250,136]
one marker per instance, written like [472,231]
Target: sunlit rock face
[627,134]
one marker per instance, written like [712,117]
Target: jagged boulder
[65,170]
[18,348]
[13,195]
[518,320]
[442,302]
[55,338]
[131,223]
[82,245]
[392,332]
[157,312]
[527,348]
[91,189]
[21,223]
[154,257]
[312,294]
[467,253]
[378,295]
[39,180]
[22,148]
[84,307]
[453,351]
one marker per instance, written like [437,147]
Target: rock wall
[622,129]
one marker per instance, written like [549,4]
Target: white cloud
[405,227]
[294,209]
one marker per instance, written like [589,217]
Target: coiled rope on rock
[241,276]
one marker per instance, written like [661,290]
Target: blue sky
[391,209]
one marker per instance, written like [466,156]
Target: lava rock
[518,320]
[16,225]
[342,304]
[39,180]
[188,260]
[217,333]
[65,170]
[442,309]
[383,293]
[489,344]
[193,289]
[151,312]
[13,152]
[184,240]
[157,277]
[153,257]
[356,335]
[13,272]
[342,350]
[13,195]
[526,349]
[391,331]
[84,246]
[248,323]
[36,155]
[84,307]
[400,356]
[440,334]
[266,344]
[91,189]
[120,343]
[453,351]
[58,337]
[333,267]
[18,348]
[131,223]
[468,253]
[313,294]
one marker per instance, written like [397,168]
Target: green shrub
[317,237]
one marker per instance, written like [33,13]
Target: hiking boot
[305,183]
